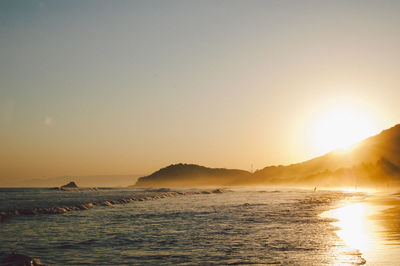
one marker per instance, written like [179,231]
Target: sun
[339,128]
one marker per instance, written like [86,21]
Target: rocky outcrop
[72,186]
[15,259]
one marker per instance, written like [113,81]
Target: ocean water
[235,227]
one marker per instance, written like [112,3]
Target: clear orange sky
[127,87]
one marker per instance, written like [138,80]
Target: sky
[128,87]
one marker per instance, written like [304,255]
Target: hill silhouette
[373,162]
[178,175]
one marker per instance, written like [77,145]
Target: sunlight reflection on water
[355,229]
[361,233]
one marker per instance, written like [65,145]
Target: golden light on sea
[354,227]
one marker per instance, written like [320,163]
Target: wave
[154,194]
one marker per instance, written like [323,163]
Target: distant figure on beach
[315,189]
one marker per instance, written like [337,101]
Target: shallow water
[239,227]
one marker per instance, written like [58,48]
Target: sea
[238,226]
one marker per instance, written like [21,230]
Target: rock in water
[20,260]
[71,184]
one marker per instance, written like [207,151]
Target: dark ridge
[373,162]
[191,175]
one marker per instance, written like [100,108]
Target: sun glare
[340,128]
[355,229]
[353,226]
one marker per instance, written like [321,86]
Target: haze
[127,87]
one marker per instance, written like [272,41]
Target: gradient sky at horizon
[121,87]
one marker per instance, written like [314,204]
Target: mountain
[385,145]
[372,162]
[376,157]
[178,175]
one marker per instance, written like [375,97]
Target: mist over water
[241,226]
